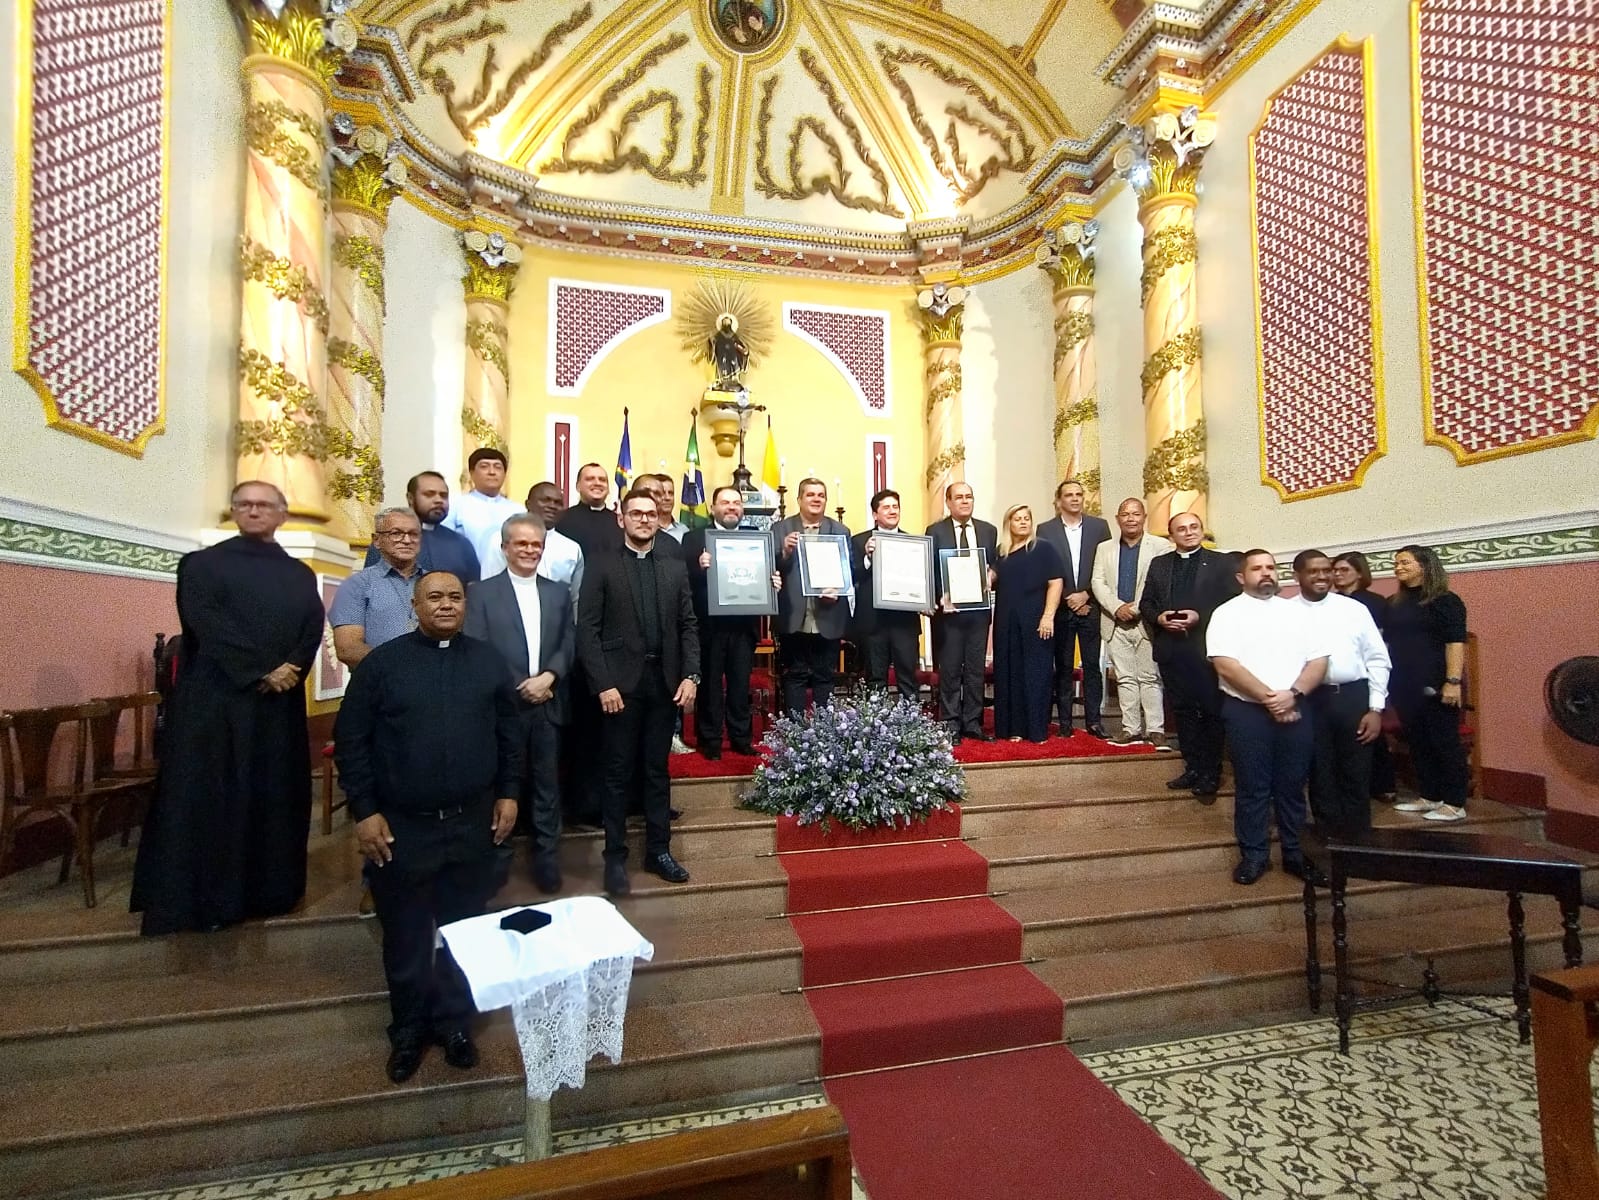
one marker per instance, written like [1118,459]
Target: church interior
[1320,271]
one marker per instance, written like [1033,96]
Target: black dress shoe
[742,748]
[1186,780]
[1308,871]
[1206,787]
[1064,731]
[616,881]
[713,753]
[1248,872]
[404,1059]
[673,814]
[979,735]
[667,867]
[459,1051]
[1095,730]
[546,876]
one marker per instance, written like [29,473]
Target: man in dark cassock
[226,835]
[589,522]
[429,750]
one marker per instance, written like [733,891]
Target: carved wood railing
[1565,1032]
[796,1156]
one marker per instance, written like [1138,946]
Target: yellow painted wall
[816,418]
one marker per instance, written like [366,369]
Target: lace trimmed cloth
[565,984]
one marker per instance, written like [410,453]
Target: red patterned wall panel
[1318,365]
[1508,215]
[588,321]
[89,319]
[855,341]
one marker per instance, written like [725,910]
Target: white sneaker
[1420,804]
[679,746]
[1445,812]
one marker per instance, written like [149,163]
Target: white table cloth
[565,984]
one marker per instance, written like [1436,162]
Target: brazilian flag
[695,513]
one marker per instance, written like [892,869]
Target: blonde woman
[1029,579]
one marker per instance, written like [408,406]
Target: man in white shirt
[666,507]
[562,560]
[478,515]
[1269,656]
[1348,705]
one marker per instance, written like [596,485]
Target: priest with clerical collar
[589,522]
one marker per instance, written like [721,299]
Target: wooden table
[1465,860]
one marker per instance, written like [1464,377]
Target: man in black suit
[639,645]
[727,644]
[1075,536]
[809,628]
[528,619]
[960,639]
[1183,588]
[887,637]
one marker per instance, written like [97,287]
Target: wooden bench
[1565,1023]
[795,1156]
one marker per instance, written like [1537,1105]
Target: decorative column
[281,434]
[943,309]
[366,178]
[1068,256]
[1162,163]
[491,263]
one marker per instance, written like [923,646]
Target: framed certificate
[965,578]
[739,580]
[824,565]
[902,572]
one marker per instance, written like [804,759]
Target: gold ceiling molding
[635,158]
[836,185]
[948,157]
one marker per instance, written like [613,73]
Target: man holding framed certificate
[964,547]
[893,587]
[811,620]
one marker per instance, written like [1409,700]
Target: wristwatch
[1454,679]
[1297,694]
[694,679]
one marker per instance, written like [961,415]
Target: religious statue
[729,354]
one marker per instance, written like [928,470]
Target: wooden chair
[330,776]
[30,791]
[133,774]
[1565,1024]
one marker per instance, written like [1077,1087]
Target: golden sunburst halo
[701,312]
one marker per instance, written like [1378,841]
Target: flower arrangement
[865,761]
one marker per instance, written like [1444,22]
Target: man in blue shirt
[442,549]
[479,515]
[1120,569]
[373,605]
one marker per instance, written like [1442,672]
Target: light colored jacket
[1106,560]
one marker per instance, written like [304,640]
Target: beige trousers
[1138,690]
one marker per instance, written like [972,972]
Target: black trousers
[1079,634]
[584,790]
[960,648]
[1432,730]
[809,661]
[636,743]
[442,871]
[1196,703]
[893,643]
[725,655]
[1271,762]
[541,781]
[1340,768]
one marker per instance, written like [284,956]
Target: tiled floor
[1432,1103]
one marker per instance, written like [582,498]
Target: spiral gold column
[1069,259]
[364,184]
[281,433]
[1165,179]
[941,370]
[491,264]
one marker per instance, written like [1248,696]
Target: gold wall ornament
[485,433]
[947,461]
[1169,248]
[835,185]
[265,133]
[640,67]
[941,308]
[492,260]
[365,483]
[635,158]
[360,360]
[1086,409]
[300,32]
[1071,330]
[949,157]
[1178,463]
[283,279]
[369,181]
[948,386]
[277,385]
[1162,156]
[1182,350]
[1090,479]
[700,317]
[489,339]
[362,255]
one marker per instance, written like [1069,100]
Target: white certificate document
[966,579]
[903,566]
[824,566]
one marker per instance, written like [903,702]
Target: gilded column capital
[366,168]
[942,309]
[492,260]
[312,34]
[1163,156]
[1068,254]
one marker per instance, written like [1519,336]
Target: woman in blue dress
[1028,583]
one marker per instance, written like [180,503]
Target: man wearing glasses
[373,605]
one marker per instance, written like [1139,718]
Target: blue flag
[624,462]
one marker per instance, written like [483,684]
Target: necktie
[963,544]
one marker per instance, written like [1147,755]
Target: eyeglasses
[254,505]
[401,535]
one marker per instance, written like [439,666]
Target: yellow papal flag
[771,468]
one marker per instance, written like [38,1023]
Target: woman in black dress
[1352,578]
[1027,589]
[1425,627]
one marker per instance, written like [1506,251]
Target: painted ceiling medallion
[748,26]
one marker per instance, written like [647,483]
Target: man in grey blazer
[808,628]
[528,619]
[1120,567]
[1076,536]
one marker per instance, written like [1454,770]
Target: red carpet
[1033,1124]
[913,963]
